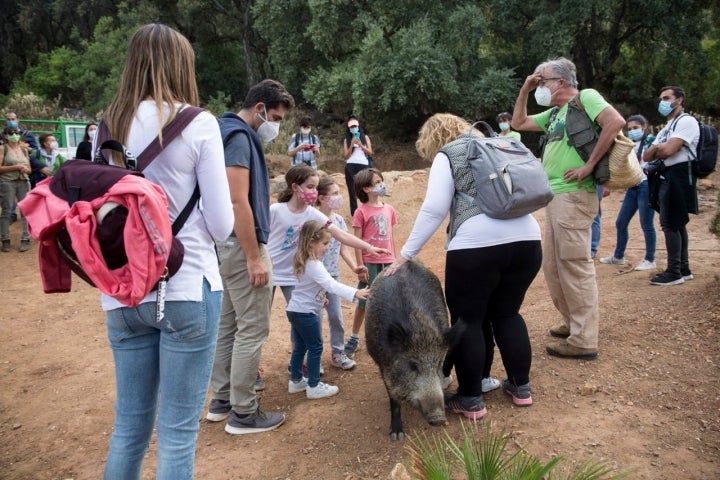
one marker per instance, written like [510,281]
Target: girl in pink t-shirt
[373,222]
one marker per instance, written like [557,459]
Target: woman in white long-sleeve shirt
[490,264]
[162,368]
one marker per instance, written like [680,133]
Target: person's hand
[606,191]
[375,251]
[364,276]
[46,171]
[532,81]
[362,294]
[23,168]
[577,174]
[392,268]
[258,273]
[360,269]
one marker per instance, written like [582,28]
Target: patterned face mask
[335,202]
[308,196]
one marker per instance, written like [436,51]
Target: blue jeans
[161,369]
[307,337]
[597,225]
[636,200]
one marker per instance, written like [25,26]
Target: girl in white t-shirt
[305,307]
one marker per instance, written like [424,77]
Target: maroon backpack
[86,180]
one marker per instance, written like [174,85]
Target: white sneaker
[321,390]
[489,384]
[645,265]
[297,387]
[340,360]
[446,381]
[612,260]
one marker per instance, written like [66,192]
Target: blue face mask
[354,130]
[503,126]
[12,123]
[635,134]
[665,108]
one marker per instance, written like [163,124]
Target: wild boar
[407,335]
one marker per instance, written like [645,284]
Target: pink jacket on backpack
[147,234]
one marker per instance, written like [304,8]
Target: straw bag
[625,169]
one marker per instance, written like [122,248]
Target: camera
[655,167]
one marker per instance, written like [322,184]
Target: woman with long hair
[84,148]
[162,368]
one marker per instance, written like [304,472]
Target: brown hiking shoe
[565,350]
[560,331]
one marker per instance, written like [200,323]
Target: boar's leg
[396,426]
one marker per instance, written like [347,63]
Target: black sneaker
[666,278]
[352,346]
[687,275]
[520,393]
[256,422]
[219,410]
[470,407]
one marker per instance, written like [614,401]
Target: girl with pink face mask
[287,216]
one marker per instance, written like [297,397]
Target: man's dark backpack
[706,153]
[86,180]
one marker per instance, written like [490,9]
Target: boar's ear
[397,336]
[452,335]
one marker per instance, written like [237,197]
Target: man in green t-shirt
[568,268]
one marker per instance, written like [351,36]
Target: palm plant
[482,455]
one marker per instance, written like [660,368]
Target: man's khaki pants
[569,271]
[244,327]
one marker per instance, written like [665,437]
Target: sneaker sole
[343,368]
[520,402]
[318,397]
[248,430]
[217,417]
[679,281]
[688,277]
[471,415]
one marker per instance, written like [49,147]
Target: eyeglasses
[542,81]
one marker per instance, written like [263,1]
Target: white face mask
[305,131]
[268,130]
[543,96]
[54,146]
[91,133]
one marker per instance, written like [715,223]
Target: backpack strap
[169,133]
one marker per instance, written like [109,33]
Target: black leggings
[485,288]
[350,170]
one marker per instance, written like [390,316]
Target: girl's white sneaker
[321,390]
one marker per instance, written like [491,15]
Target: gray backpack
[509,181]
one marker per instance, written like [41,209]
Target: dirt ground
[650,403]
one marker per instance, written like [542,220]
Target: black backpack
[706,153]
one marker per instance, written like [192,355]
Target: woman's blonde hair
[159,65]
[311,232]
[439,130]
